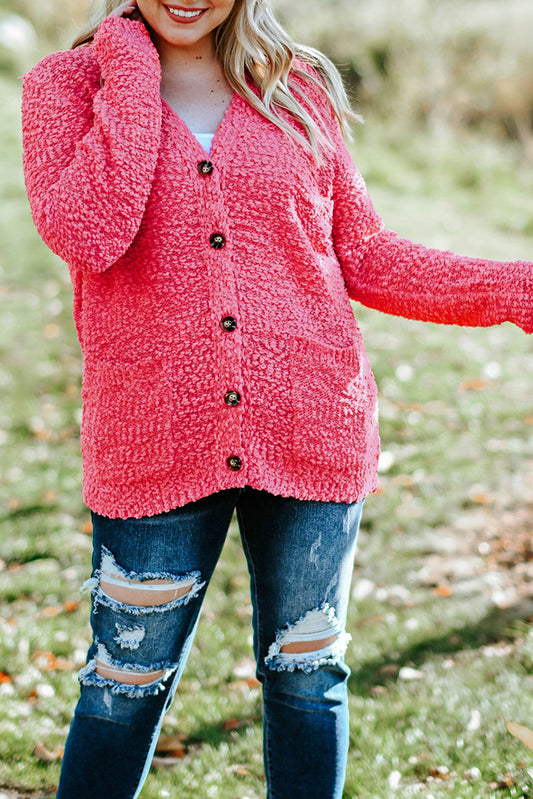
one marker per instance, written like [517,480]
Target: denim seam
[99,719]
[300,709]
[266,724]
[155,734]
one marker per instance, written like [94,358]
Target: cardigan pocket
[126,429]
[335,404]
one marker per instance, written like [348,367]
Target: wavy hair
[251,42]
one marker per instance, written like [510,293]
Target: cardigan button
[228,324]
[234,463]
[217,241]
[205,168]
[232,398]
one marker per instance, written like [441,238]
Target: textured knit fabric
[115,188]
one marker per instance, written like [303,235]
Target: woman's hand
[128,9]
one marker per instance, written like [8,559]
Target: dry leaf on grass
[166,762]
[43,754]
[235,724]
[474,384]
[170,750]
[523,733]
[47,661]
[51,611]
[172,745]
[240,770]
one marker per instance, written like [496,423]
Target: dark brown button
[217,241]
[228,324]
[205,168]
[234,463]
[232,398]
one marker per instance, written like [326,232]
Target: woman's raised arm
[397,276]
[91,132]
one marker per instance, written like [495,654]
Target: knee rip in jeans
[131,679]
[316,639]
[134,593]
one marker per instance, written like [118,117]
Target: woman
[188,164]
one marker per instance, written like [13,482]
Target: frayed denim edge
[331,654]
[88,676]
[279,661]
[129,637]
[101,598]
[108,558]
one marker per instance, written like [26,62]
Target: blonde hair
[251,42]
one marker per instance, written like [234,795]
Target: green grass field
[442,647]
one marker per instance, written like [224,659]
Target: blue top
[205,140]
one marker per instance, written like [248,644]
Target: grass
[457,429]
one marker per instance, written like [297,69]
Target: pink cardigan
[211,293]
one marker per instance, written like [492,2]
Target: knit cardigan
[212,293]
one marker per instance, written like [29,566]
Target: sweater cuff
[520,298]
[120,43]
[521,313]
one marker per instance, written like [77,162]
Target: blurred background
[442,611]
[442,64]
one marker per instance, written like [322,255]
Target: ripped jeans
[149,578]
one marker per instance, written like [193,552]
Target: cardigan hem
[160,498]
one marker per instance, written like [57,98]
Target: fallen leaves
[47,661]
[51,611]
[396,594]
[523,733]
[486,553]
[480,496]
[240,770]
[474,384]
[507,781]
[441,773]
[235,724]
[44,755]
[41,691]
[170,749]
[51,330]
[444,590]
[245,671]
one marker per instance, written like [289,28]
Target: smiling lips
[184,15]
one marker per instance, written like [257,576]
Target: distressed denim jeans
[148,581]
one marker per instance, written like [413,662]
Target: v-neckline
[218,132]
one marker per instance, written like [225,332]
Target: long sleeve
[397,276]
[91,134]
